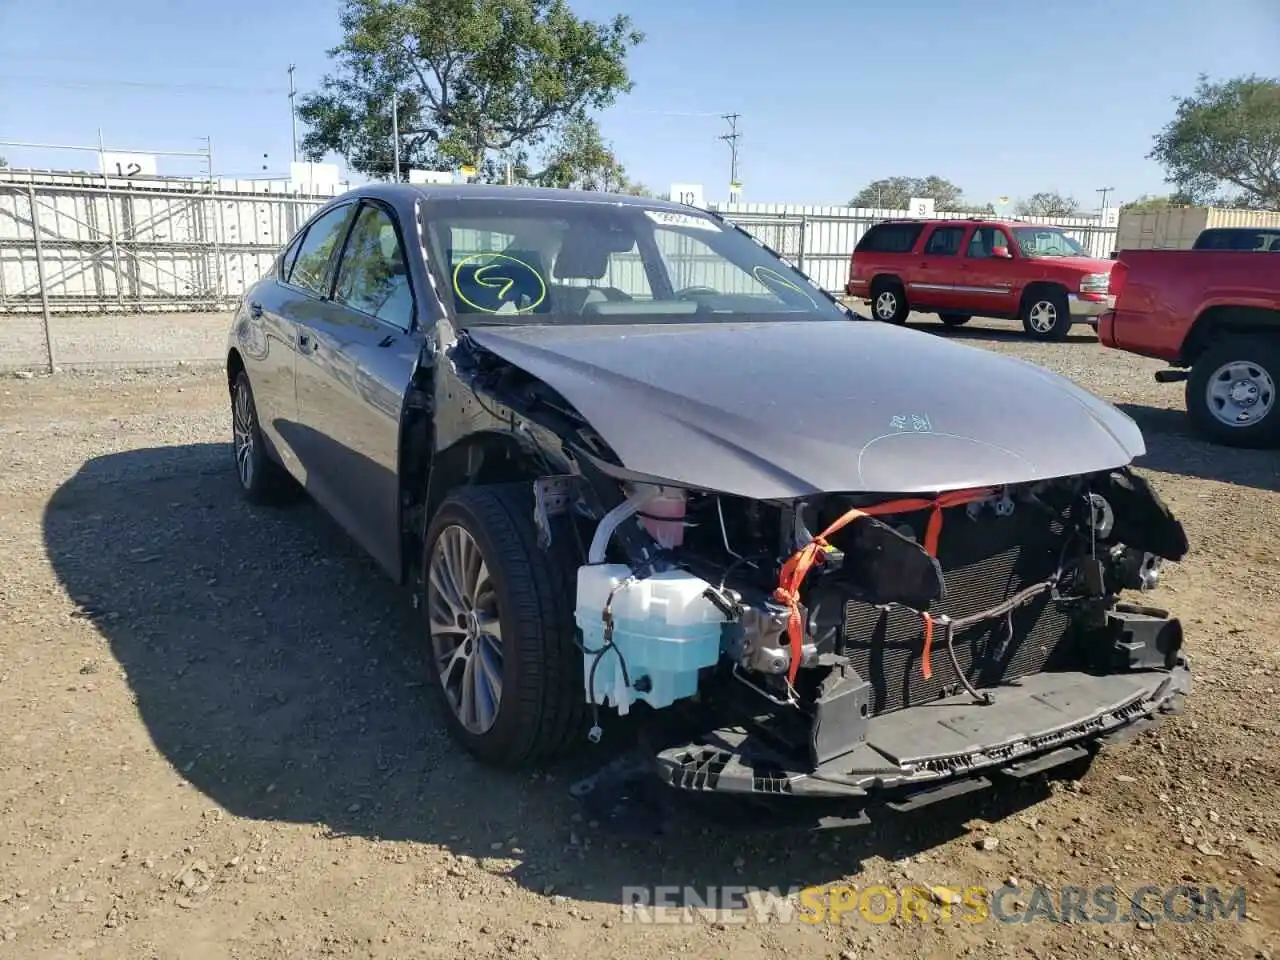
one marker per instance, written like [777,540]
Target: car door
[267,333]
[277,306]
[357,355]
[937,268]
[989,273]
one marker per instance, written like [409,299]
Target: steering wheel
[685,292]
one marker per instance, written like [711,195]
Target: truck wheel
[889,301]
[1231,393]
[500,630]
[954,319]
[1046,313]
[262,480]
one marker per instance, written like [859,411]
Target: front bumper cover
[1043,721]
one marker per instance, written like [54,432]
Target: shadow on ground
[1174,447]
[974,330]
[275,668]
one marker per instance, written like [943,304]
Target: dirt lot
[214,739]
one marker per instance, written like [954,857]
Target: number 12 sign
[128,165]
[690,194]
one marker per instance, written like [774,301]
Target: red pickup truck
[1214,316]
[979,267]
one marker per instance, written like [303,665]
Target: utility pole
[731,138]
[293,111]
[1104,191]
[395,133]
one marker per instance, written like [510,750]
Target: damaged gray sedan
[630,461]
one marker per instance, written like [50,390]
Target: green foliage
[893,193]
[472,79]
[581,159]
[1149,203]
[1048,203]
[1223,143]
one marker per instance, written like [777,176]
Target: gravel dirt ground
[215,741]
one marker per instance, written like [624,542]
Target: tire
[954,319]
[1046,313]
[541,707]
[889,301]
[1244,373]
[263,481]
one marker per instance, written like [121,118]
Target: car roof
[402,192]
[964,221]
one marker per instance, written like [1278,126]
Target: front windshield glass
[594,261]
[1045,242]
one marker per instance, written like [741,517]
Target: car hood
[782,410]
[1082,264]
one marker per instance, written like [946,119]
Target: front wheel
[1231,393]
[499,623]
[1046,314]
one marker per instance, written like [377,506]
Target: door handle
[256,310]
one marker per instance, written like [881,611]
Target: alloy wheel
[466,632]
[242,429]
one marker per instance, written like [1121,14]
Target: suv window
[945,241]
[310,269]
[1238,239]
[984,240]
[373,277]
[890,238]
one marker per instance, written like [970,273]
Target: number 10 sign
[690,194]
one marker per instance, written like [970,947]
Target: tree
[581,159]
[1047,203]
[470,79]
[1149,203]
[1223,143]
[893,193]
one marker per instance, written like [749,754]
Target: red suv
[980,267]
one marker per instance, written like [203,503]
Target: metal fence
[85,244]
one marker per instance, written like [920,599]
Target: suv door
[275,306]
[937,271]
[359,349]
[989,283]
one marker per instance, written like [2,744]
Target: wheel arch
[1227,318]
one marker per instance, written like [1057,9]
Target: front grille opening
[984,561]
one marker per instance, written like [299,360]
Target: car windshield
[593,261]
[1045,242]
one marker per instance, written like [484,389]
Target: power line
[141,84]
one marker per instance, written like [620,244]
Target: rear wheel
[499,622]
[262,480]
[889,301]
[954,319]
[1046,313]
[1231,393]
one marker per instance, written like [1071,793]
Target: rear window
[1261,241]
[890,238]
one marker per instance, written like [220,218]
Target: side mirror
[1001,252]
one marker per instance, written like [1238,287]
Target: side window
[890,238]
[290,256]
[310,269]
[984,241]
[373,277]
[945,242]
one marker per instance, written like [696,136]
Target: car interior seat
[584,255]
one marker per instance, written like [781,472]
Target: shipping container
[1177,227]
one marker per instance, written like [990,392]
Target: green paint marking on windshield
[501,283]
[767,276]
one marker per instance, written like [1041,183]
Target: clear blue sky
[1001,96]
